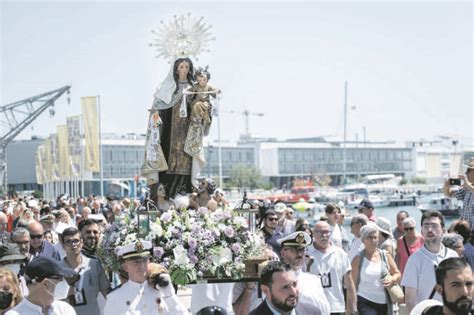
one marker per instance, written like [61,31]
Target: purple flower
[227,215]
[158,252]
[192,243]
[203,210]
[166,217]
[229,231]
[235,247]
[193,259]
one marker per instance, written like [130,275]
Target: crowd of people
[49,262]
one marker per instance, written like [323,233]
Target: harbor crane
[15,117]
[246,113]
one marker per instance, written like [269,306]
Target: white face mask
[15,268]
[60,290]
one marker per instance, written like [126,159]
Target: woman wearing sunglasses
[408,243]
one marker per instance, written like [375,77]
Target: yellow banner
[74,142]
[63,152]
[48,163]
[91,133]
[54,157]
[39,164]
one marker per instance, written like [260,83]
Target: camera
[455,181]
[160,280]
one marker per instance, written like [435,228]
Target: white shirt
[140,299]
[420,271]
[312,298]
[57,308]
[333,264]
[336,235]
[355,248]
[212,294]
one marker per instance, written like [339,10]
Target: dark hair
[87,222]
[462,228]
[266,277]
[69,232]
[453,263]
[432,214]
[202,72]
[190,73]
[331,207]
[212,310]
[305,229]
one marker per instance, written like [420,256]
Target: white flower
[222,255]
[180,257]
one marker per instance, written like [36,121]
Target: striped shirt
[467,211]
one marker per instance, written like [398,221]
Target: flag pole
[100,152]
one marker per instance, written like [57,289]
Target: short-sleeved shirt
[332,266]
[420,271]
[402,250]
[467,210]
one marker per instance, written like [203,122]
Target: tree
[245,176]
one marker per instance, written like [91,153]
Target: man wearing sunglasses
[269,230]
[38,245]
[45,279]
[91,280]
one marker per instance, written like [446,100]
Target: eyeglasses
[272,219]
[38,236]
[72,242]
[433,226]
[407,229]
[321,233]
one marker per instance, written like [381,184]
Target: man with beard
[312,299]
[280,286]
[419,275]
[90,232]
[454,283]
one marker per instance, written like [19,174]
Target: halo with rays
[184,36]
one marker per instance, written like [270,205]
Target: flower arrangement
[193,245]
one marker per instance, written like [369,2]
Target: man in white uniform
[137,296]
[312,296]
[419,275]
[332,264]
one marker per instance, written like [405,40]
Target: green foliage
[403,181]
[418,180]
[245,176]
[38,194]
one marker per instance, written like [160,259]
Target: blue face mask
[6,299]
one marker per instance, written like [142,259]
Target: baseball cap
[365,203]
[45,267]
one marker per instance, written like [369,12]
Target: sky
[408,65]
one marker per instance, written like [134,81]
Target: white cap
[137,248]
[296,239]
[61,227]
[420,307]
[279,207]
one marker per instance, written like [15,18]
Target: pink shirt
[402,250]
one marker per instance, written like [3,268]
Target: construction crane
[246,113]
[15,117]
